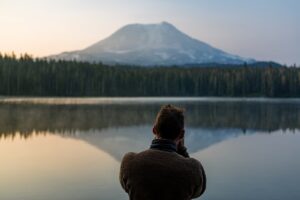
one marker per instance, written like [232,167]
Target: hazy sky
[261,29]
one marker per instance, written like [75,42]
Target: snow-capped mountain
[152,45]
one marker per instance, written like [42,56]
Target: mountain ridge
[159,44]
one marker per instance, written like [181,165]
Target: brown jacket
[157,174]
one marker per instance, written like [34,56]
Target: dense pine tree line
[26,76]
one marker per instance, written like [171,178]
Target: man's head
[169,123]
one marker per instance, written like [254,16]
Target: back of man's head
[169,122]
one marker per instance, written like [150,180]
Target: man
[165,171]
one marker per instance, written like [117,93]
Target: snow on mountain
[152,45]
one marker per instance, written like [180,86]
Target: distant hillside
[151,45]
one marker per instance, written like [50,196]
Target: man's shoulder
[161,155]
[195,162]
[128,156]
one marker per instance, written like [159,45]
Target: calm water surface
[70,149]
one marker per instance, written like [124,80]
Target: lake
[71,148]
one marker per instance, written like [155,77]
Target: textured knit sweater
[162,172]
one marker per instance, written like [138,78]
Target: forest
[27,76]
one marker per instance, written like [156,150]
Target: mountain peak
[161,25]
[164,23]
[151,45]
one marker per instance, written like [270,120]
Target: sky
[260,29]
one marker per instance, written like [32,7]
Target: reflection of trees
[27,119]
[246,115]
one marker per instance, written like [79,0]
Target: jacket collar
[164,145]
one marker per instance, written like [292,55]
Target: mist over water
[72,148]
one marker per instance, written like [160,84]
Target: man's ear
[154,130]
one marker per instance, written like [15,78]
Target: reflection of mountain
[118,141]
[119,128]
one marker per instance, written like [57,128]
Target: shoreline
[143,100]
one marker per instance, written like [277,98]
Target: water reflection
[117,141]
[67,151]
[66,119]
[257,166]
[49,167]
[112,127]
